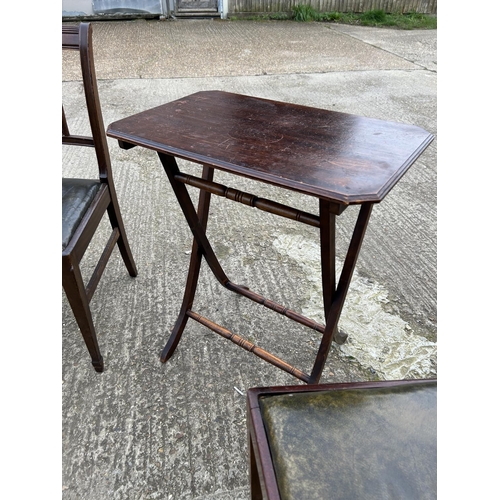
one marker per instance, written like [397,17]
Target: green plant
[378,16]
[415,16]
[304,13]
[327,16]
[333,16]
[416,20]
[407,21]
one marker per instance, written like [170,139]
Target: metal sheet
[127,6]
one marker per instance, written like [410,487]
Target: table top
[335,156]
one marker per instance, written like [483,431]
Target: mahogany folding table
[338,158]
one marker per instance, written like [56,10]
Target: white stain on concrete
[377,339]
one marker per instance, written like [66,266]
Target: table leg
[337,295]
[202,247]
[334,296]
[180,191]
[328,217]
[327,239]
[196,255]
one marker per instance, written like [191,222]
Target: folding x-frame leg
[333,296]
[194,268]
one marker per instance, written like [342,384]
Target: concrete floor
[146,430]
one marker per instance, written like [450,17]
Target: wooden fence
[389,6]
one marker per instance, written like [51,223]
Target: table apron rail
[249,199]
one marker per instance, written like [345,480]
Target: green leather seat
[77,195]
[377,443]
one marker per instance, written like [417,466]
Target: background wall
[154,8]
[390,6]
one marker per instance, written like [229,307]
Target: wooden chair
[364,440]
[84,201]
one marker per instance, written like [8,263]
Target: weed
[377,16]
[280,16]
[304,13]
[328,16]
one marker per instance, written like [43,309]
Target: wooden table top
[335,156]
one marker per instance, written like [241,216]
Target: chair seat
[77,195]
[354,443]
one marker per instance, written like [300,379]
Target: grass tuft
[375,16]
[304,13]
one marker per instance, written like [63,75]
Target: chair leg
[77,298]
[117,221]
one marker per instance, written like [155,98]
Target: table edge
[269,178]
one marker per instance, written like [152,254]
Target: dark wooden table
[339,158]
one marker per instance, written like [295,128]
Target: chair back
[80,38]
